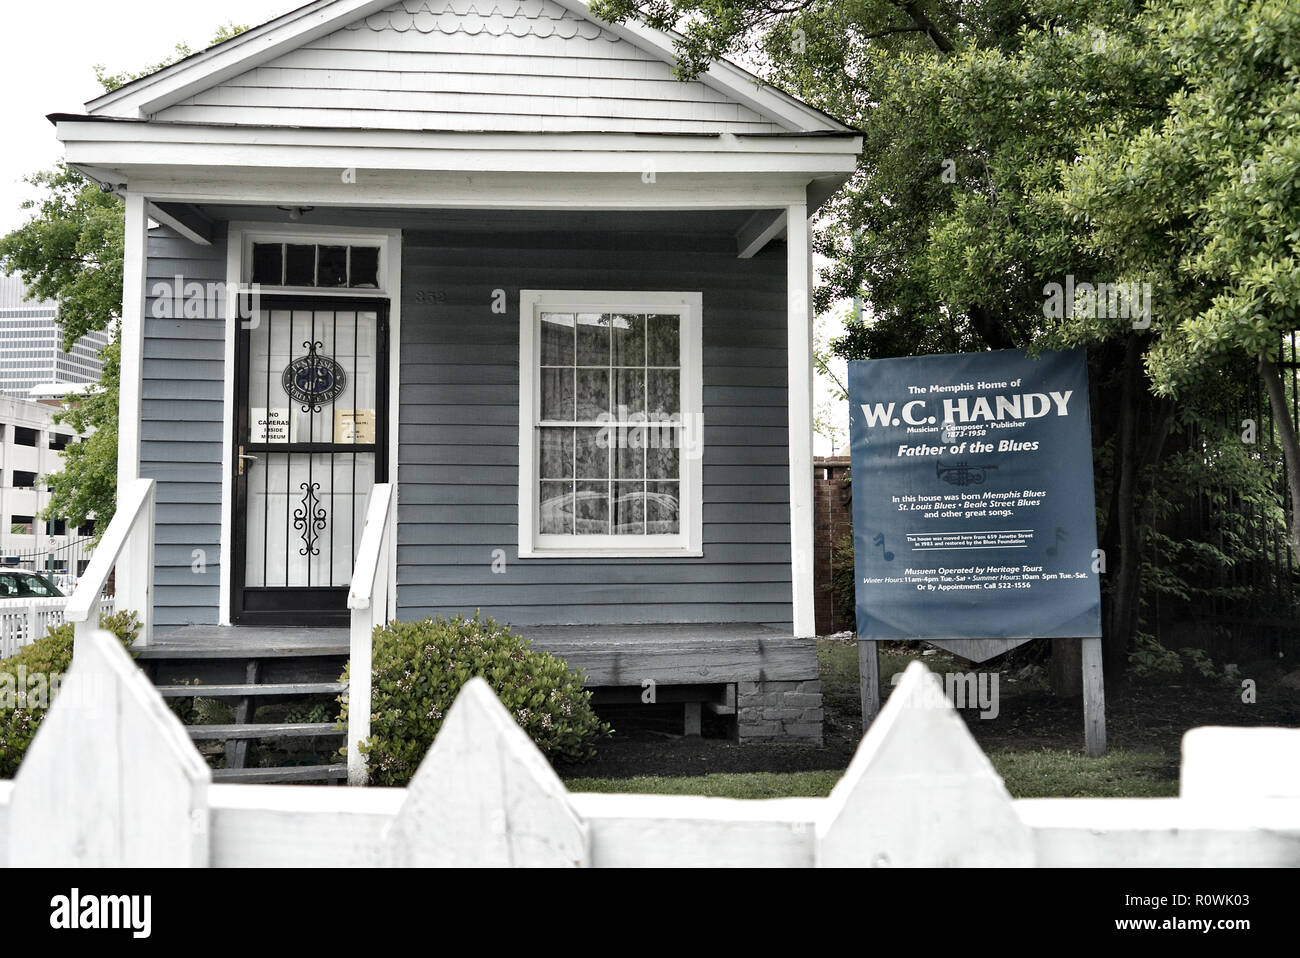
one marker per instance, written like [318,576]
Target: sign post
[974,521]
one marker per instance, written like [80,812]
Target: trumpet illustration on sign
[962,474]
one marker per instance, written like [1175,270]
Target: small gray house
[491,253]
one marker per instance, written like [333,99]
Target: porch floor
[611,655]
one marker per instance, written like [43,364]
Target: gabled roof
[467,65]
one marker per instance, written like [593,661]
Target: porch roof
[431,104]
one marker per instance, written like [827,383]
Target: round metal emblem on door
[313,380]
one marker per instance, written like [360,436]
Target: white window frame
[689,540]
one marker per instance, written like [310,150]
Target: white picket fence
[23,621]
[111,779]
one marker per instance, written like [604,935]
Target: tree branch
[923,22]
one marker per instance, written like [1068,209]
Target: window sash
[685,481]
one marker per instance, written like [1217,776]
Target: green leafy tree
[70,251]
[974,120]
[1209,202]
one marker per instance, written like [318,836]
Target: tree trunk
[1132,456]
[1123,567]
[1269,373]
[1066,671]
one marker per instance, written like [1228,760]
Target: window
[610,423]
[87,528]
[24,480]
[316,265]
[58,527]
[59,440]
[24,436]
[21,525]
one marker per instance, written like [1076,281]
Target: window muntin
[611,393]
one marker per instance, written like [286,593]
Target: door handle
[243,458]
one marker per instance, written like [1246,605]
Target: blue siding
[458,460]
[180,435]
[458,454]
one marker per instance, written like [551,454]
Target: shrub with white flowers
[420,667]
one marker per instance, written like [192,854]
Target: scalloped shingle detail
[518,18]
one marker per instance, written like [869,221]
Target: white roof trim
[244,52]
[149,95]
[723,76]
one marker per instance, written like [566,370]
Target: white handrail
[368,600]
[131,531]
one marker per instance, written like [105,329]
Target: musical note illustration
[1060,535]
[879,540]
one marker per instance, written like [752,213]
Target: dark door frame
[321,606]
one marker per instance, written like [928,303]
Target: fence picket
[485,796]
[112,779]
[914,788]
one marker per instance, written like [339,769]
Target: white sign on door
[270,425]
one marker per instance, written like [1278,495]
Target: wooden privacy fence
[111,779]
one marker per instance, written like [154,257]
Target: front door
[310,436]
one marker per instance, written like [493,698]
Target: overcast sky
[48,55]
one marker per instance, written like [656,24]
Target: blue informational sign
[973,509]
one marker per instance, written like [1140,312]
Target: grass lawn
[1035,741]
[1044,773]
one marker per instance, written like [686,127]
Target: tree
[1210,199]
[973,117]
[70,251]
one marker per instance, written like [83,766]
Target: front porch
[765,681]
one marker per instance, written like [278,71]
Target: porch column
[132,580]
[800,378]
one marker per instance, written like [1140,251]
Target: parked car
[21,584]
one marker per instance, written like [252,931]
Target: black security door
[310,436]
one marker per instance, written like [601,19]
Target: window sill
[618,553]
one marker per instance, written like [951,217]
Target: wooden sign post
[1094,687]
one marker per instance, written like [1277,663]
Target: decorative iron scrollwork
[311,519]
[962,474]
[313,380]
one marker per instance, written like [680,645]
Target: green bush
[420,667]
[48,656]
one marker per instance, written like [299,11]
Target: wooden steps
[256,730]
[283,671]
[251,689]
[285,773]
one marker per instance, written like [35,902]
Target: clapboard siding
[458,499]
[180,433]
[526,66]
[458,448]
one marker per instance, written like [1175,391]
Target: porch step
[250,730]
[286,773]
[241,691]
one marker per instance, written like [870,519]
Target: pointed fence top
[111,778]
[920,792]
[485,796]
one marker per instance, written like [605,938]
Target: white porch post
[800,375]
[134,568]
